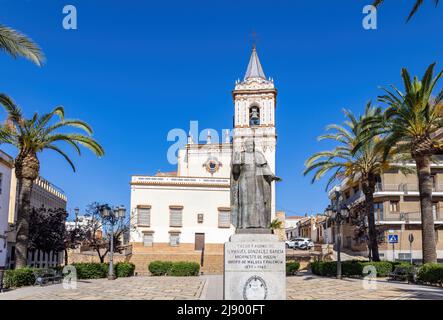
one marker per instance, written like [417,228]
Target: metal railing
[403,216]
[404,187]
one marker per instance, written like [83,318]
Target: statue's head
[249,145]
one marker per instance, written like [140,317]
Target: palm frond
[17,44]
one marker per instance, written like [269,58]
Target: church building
[185,215]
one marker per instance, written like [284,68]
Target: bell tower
[254,114]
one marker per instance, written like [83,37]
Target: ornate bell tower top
[254,97]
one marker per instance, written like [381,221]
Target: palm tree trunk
[427,220]
[27,168]
[368,190]
[21,246]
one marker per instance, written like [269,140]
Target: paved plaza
[302,287]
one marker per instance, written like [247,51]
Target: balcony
[403,216]
[403,187]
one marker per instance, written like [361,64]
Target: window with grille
[144,216]
[224,219]
[200,218]
[174,239]
[175,217]
[148,239]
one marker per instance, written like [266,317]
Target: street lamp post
[338,212]
[112,216]
[76,211]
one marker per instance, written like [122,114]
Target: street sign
[393,238]
[411,238]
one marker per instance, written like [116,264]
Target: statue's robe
[250,190]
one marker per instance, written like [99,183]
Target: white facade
[194,201]
[6,172]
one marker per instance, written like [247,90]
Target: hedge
[184,269]
[91,270]
[159,268]
[431,273]
[175,269]
[19,278]
[124,269]
[292,267]
[353,268]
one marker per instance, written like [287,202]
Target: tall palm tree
[417,5]
[31,136]
[17,44]
[413,122]
[357,156]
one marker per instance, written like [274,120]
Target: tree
[17,44]
[411,123]
[31,136]
[96,235]
[348,163]
[275,224]
[47,229]
[417,5]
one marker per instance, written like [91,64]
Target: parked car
[303,243]
[291,243]
[299,243]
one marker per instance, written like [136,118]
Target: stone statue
[251,180]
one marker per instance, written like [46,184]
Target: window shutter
[148,239]
[175,217]
[174,239]
[144,216]
[224,219]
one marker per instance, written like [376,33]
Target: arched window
[254,116]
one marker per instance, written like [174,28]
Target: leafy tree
[358,156]
[17,44]
[47,229]
[31,136]
[412,124]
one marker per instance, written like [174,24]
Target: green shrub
[431,273]
[351,268]
[124,269]
[19,278]
[91,270]
[292,268]
[184,269]
[383,268]
[324,268]
[159,268]
[175,269]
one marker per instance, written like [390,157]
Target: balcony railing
[404,187]
[403,216]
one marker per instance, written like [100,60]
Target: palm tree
[31,136]
[17,44]
[417,5]
[352,160]
[413,122]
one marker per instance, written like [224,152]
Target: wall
[195,200]
[5,188]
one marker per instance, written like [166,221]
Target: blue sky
[136,69]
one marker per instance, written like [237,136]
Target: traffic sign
[393,238]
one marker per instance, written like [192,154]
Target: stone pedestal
[255,268]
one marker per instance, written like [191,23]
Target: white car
[299,243]
[291,243]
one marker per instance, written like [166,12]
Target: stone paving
[133,288]
[309,287]
[301,287]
